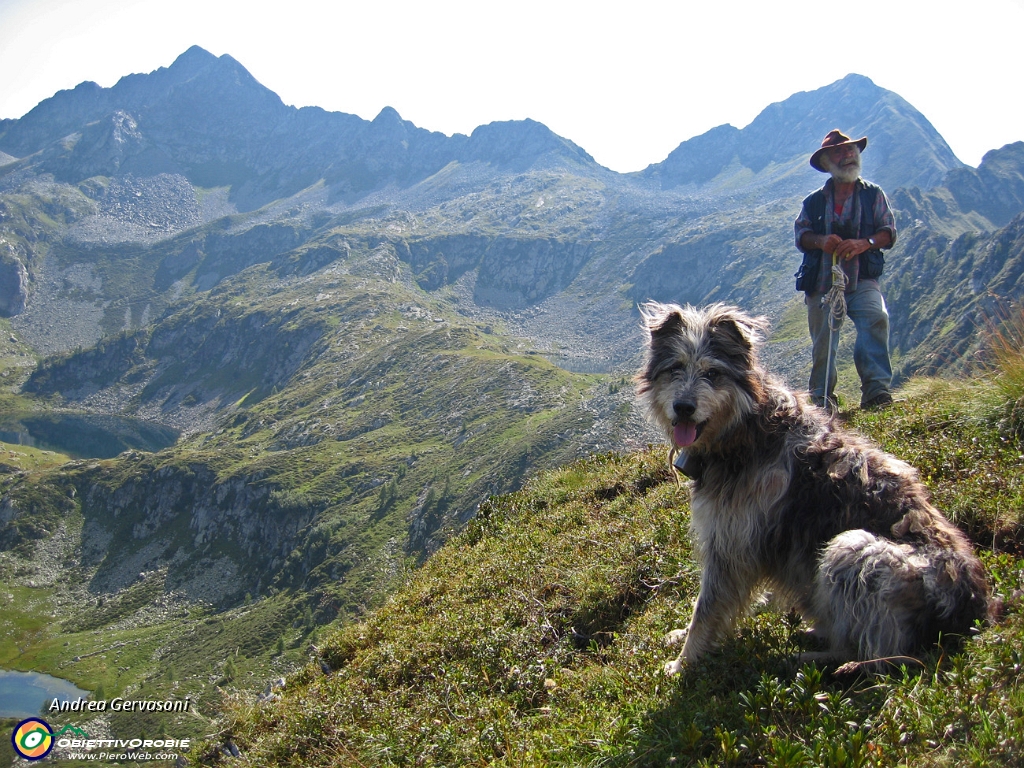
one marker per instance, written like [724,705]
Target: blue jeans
[866,308]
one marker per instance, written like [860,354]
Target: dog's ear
[661,319]
[737,325]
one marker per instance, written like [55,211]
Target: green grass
[14,458]
[534,637]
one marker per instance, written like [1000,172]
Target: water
[27,694]
[85,436]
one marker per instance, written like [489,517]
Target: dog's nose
[684,409]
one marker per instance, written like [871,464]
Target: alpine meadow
[328,427]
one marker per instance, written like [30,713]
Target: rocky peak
[222,93]
[388,128]
[193,60]
[903,146]
[388,118]
[140,88]
[198,86]
[521,144]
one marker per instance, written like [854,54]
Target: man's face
[843,162]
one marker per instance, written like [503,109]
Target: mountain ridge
[769,141]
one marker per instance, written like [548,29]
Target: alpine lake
[28,694]
[83,435]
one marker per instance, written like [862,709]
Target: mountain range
[362,329]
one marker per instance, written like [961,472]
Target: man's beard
[845,174]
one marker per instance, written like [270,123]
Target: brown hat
[835,138]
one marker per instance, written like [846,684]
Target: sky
[628,82]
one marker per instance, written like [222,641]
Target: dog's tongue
[684,433]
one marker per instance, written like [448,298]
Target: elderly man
[847,222]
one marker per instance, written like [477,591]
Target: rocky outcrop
[92,368]
[513,272]
[685,272]
[996,188]
[438,261]
[194,357]
[518,272]
[185,518]
[13,285]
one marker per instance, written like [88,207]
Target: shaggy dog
[783,499]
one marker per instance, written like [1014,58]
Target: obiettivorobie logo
[32,738]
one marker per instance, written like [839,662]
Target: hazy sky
[626,81]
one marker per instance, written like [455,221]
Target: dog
[782,499]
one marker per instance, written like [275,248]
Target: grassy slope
[534,638]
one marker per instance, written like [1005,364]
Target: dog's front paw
[675,667]
[675,637]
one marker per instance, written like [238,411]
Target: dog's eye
[671,370]
[713,375]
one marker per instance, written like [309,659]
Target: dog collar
[689,465]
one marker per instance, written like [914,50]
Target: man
[847,222]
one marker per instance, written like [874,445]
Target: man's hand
[847,249]
[830,243]
[844,249]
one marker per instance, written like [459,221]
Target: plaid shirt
[848,218]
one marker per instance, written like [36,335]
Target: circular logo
[32,738]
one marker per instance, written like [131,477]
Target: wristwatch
[871,242]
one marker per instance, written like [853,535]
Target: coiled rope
[835,299]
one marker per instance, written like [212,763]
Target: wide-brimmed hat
[835,138]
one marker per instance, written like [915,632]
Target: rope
[835,302]
[835,299]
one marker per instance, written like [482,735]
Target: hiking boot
[877,403]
